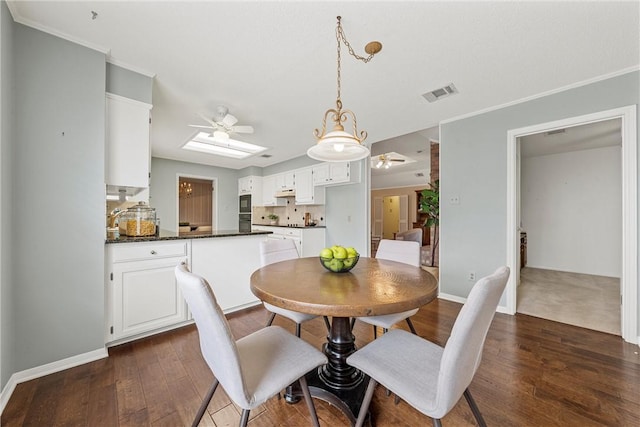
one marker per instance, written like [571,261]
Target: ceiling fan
[385,160]
[224,123]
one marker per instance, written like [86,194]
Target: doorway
[628,250]
[571,216]
[196,204]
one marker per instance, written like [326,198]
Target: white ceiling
[274,63]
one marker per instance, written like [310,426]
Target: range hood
[286,193]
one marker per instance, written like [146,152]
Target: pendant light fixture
[338,145]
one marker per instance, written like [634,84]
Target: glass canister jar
[138,220]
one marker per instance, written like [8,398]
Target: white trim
[130,67]
[129,100]
[49,368]
[629,276]
[29,23]
[543,94]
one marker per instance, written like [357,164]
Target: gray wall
[162,191]
[129,84]
[58,203]
[473,166]
[7,337]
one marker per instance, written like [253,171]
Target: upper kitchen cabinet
[251,185]
[306,192]
[333,173]
[285,181]
[128,147]
[269,192]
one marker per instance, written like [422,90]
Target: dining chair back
[276,250]
[272,250]
[251,369]
[428,377]
[406,251]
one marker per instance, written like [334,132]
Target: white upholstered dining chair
[407,252]
[272,250]
[251,369]
[426,376]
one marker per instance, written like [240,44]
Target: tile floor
[583,300]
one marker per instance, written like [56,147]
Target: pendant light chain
[340,36]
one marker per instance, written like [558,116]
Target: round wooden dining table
[373,287]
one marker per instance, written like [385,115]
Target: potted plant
[430,205]
[274,218]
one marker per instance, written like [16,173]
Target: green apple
[328,263]
[340,253]
[326,253]
[336,265]
[348,262]
[351,252]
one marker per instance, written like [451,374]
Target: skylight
[221,146]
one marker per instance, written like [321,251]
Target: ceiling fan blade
[396,160]
[229,120]
[208,120]
[242,129]
[203,127]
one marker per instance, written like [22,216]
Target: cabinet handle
[153,252]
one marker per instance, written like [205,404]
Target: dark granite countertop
[173,235]
[288,226]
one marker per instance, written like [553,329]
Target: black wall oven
[245,204]
[244,215]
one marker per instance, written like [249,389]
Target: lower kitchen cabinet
[141,291]
[309,241]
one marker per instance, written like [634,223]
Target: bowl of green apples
[339,259]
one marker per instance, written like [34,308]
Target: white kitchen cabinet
[128,156]
[309,241]
[227,264]
[143,296]
[335,173]
[269,192]
[285,181]
[251,185]
[306,192]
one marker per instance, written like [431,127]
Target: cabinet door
[146,296]
[285,181]
[304,186]
[339,172]
[244,185]
[332,173]
[321,174]
[127,135]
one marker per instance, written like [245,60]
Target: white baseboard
[454,298]
[49,368]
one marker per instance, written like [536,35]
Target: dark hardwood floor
[534,372]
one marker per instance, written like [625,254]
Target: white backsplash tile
[290,214]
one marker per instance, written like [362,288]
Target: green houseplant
[430,205]
[273,217]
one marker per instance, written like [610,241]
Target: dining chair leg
[437,422]
[353,322]
[328,325]
[413,330]
[375,332]
[364,406]
[307,397]
[474,408]
[205,403]
[244,419]
[270,321]
[298,330]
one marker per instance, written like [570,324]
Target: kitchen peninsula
[141,294]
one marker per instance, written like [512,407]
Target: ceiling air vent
[440,93]
[266,156]
[419,175]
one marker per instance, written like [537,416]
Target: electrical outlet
[454,200]
[472,275]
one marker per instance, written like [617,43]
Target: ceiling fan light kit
[338,145]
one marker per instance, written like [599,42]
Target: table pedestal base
[336,383]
